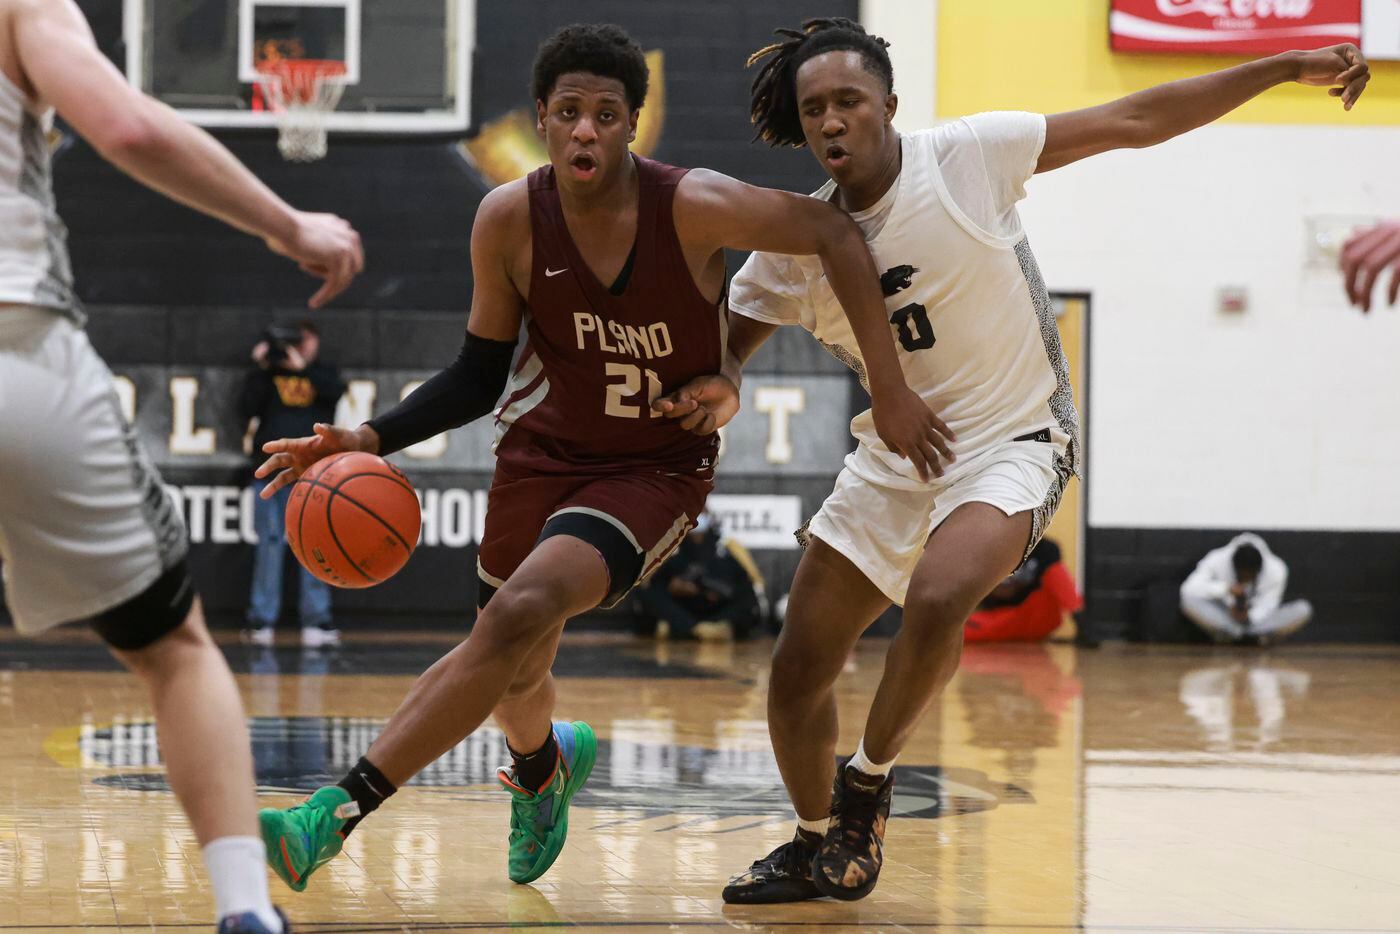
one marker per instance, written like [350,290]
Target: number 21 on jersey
[629,386]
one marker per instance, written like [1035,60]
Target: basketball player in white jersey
[978,342]
[86,530]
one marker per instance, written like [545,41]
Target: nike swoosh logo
[551,273]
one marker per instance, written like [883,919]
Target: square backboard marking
[461,25]
[247,13]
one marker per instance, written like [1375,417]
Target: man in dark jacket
[709,579]
[288,390]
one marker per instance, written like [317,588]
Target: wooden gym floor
[1052,789]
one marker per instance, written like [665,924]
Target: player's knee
[517,618]
[152,617]
[933,612]
[803,666]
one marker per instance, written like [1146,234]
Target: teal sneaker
[301,839]
[539,821]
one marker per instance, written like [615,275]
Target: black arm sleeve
[465,391]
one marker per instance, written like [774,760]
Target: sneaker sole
[274,841]
[587,746]
[840,892]
[770,894]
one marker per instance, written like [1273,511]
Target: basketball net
[302,92]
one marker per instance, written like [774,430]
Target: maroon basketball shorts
[634,520]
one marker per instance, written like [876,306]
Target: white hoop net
[302,93]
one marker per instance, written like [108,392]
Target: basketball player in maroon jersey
[615,264]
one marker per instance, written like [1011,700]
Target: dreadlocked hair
[773,96]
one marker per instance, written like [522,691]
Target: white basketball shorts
[85,523]
[882,529]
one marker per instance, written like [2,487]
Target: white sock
[238,873]
[813,826]
[862,763]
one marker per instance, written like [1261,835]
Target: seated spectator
[1030,604]
[1236,594]
[710,579]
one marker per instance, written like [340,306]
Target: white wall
[1287,416]
[911,28]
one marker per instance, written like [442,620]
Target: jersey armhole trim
[966,223]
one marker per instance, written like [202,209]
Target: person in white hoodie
[1236,594]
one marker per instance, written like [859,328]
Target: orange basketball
[353,519]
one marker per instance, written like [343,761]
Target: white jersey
[975,328]
[34,266]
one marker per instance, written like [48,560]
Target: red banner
[1232,27]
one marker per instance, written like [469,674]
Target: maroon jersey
[580,397]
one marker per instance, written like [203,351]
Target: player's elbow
[127,136]
[1139,130]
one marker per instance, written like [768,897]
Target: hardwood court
[1051,789]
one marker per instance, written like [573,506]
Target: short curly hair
[773,97]
[595,48]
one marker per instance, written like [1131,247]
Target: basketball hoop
[302,92]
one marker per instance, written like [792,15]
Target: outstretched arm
[154,145]
[715,211]
[1158,114]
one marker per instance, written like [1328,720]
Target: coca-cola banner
[1232,27]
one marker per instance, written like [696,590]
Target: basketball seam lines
[330,527]
[301,519]
[336,491]
[330,498]
[336,539]
[387,476]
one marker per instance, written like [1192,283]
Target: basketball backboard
[407,62]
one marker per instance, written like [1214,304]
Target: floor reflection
[1049,789]
[1210,694]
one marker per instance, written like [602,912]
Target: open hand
[1368,254]
[703,406]
[291,457]
[327,247]
[907,426]
[1340,68]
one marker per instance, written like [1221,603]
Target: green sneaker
[539,821]
[301,839]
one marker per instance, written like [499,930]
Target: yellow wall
[1052,55]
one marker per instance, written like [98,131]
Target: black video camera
[279,338]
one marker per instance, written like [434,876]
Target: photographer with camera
[288,390]
[710,579]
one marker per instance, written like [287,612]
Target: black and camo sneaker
[848,862]
[784,875]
